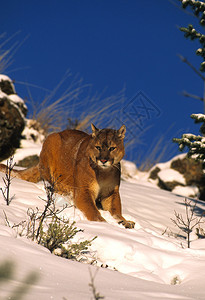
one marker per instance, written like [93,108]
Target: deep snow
[147,262]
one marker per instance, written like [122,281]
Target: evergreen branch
[198,8]
[198,117]
[194,143]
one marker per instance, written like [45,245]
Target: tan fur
[86,165]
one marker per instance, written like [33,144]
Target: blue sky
[111,44]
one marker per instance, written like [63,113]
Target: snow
[199,50]
[147,262]
[186,191]
[28,146]
[166,165]
[129,169]
[6,78]
[171,175]
[199,116]
[15,99]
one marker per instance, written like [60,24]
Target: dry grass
[157,152]
[154,154]
[101,111]
[76,108]
[52,111]
[8,48]
[5,55]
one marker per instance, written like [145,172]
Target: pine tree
[195,144]
[190,32]
[198,8]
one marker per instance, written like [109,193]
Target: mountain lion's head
[106,147]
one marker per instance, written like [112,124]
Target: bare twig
[7,181]
[50,201]
[6,219]
[190,221]
[186,94]
[96,294]
[185,60]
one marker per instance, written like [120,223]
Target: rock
[6,86]
[181,175]
[29,161]
[154,173]
[12,118]
[170,178]
[192,171]
[167,185]
[190,168]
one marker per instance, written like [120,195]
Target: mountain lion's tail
[32,174]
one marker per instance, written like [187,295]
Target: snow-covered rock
[181,175]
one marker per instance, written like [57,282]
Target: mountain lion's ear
[94,130]
[121,131]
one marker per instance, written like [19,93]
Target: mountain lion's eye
[112,148]
[98,147]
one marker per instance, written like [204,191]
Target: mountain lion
[86,165]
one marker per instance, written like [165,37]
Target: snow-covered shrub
[57,238]
[50,230]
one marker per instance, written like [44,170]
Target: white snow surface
[15,99]
[143,263]
[5,77]
[171,175]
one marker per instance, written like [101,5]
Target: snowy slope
[143,263]
[147,261]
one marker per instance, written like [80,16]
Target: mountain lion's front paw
[127,224]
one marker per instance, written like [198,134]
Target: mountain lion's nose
[103,161]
